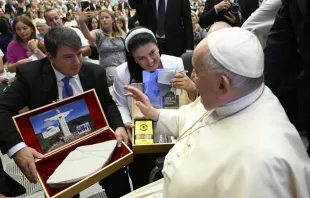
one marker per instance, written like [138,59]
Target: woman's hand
[83,16]
[33,44]
[181,81]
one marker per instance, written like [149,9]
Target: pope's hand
[121,135]
[24,159]
[143,103]
[2,196]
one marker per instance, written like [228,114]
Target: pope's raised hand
[142,102]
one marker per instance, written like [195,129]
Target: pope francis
[235,140]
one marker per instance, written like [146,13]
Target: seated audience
[24,31]
[93,24]
[109,41]
[235,140]
[42,28]
[70,22]
[199,33]
[6,34]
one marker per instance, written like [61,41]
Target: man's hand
[121,135]
[129,127]
[24,159]
[223,5]
[231,18]
[143,103]
[2,196]
[181,81]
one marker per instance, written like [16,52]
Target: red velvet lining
[48,165]
[28,134]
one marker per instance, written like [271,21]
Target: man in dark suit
[218,10]
[170,21]
[287,61]
[41,82]
[93,6]
[123,5]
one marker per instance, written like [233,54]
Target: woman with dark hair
[93,24]
[142,54]
[24,38]
[109,41]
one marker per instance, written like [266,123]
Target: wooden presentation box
[137,115]
[86,118]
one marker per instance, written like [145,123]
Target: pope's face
[206,82]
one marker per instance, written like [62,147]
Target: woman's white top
[122,78]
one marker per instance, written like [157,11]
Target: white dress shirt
[77,89]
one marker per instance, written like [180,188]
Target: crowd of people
[245,60]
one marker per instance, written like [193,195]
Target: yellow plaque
[144,132]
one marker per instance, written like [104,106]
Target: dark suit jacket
[120,6]
[94,8]
[209,16]
[287,54]
[36,86]
[178,23]
[8,8]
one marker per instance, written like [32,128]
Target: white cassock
[245,149]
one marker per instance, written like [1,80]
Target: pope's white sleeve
[168,122]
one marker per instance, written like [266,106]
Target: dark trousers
[2,86]
[141,168]
[117,184]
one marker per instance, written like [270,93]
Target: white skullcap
[238,50]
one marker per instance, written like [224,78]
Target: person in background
[42,28]
[6,35]
[93,6]
[93,24]
[109,41]
[53,19]
[107,5]
[218,10]
[170,21]
[10,8]
[121,22]
[21,7]
[3,79]
[261,21]
[70,22]
[24,35]
[198,32]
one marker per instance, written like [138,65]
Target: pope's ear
[224,85]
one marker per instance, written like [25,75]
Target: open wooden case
[90,126]
[137,115]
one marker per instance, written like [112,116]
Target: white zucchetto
[238,50]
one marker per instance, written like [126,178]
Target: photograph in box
[59,126]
